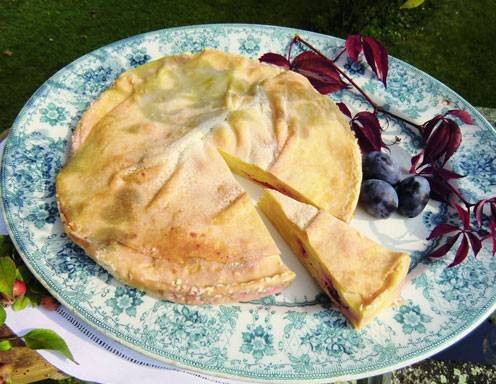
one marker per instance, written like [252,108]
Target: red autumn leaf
[437,177]
[363,141]
[429,126]
[319,71]
[304,56]
[415,161]
[276,59]
[444,249]
[475,242]
[464,215]
[441,172]
[326,87]
[461,253]
[455,139]
[368,132]
[492,231]
[441,189]
[442,229]
[479,208]
[436,143]
[353,46]
[377,57]
[344,109]
[462,115]
[442,140]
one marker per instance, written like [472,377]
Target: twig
[372,103]
[336,58]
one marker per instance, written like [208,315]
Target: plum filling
[331,290]
[303,251]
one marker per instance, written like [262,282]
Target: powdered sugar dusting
[299,213]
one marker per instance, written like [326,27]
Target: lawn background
[453,40]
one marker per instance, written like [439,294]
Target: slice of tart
[360,276]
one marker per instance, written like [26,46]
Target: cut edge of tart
[361,277]
[195,256]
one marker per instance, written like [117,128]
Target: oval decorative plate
[292,337]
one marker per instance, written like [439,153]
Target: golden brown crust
[360,276]
[146,180]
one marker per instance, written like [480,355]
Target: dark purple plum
[379,165]
[378,198]
[413,194]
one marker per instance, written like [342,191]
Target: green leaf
[24,274]
[47,339]
[7,275]
[21,303]
[6,247]
[3,315]
[35,291]
[5,345]
[412,4]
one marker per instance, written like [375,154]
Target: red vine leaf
[429,126]
[415,161]
[353,46]
[492,232]
[479,208]
[475,242]
[440,191]
[377,57]
[368,132]
[462,115]
[442,229]
[438,179]
[444,249]
[304,56]
[464,215]
[455,139]
[274,58]
[442,138]
[461,253]
[445,174]
[344,109]
[319,71]
[436,144]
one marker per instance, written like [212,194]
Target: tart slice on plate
[360,276]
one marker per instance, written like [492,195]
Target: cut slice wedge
[360,276]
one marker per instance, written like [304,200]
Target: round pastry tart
[148,190]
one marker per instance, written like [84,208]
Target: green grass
[453,40]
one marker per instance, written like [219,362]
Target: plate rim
[408,359]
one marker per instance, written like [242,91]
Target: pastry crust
[147,191]
[360,276]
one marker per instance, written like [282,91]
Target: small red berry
[19,288]
[48,302]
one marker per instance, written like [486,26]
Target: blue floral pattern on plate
[295,336]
